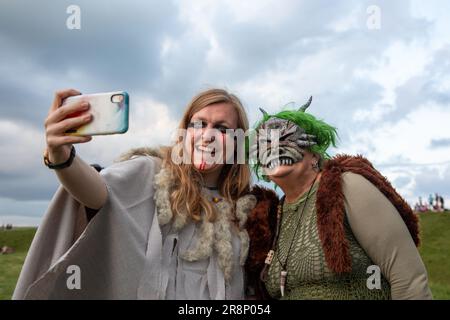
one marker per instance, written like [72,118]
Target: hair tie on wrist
[63,165]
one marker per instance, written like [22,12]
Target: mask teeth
[277,162]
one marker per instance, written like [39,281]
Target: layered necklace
[269,258]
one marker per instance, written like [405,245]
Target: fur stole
[331,210]
[214,236]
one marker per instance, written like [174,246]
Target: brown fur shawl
[330,215]
[331,211]
[261,225]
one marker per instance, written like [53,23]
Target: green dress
[308,274]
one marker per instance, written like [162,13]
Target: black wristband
[61,165]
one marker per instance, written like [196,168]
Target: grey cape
[121,253]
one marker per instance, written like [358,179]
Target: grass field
[11,264]
[435,251]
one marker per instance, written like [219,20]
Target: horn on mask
[264,112]
[306,105]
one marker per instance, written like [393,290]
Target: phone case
[108,115]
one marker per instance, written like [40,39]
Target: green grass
[11,264]
[435,252]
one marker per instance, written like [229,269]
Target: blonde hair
[234,180]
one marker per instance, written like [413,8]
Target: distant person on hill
[437,202]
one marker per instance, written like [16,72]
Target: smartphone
[109,111]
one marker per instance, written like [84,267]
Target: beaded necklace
[269,258]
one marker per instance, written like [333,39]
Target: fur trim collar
[213,236]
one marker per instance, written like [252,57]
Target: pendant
[269,257]
[216,199]
[283,281]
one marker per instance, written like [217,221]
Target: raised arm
[81,180]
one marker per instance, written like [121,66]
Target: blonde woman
[160,229]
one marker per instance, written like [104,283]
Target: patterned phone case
[108,117]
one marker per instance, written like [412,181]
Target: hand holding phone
[109,113]
[70,111]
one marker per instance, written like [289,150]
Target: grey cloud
[31,185]
[336,106]
[307,31]
[183,71]
[124,35]
[22,212]
[430,181]
[400,182]
[20,104]
[117,47]
[422,89]
[440,143]
[256,49]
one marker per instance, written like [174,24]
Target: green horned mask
[296,131]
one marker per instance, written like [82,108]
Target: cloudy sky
[384,83]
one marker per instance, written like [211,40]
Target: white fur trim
[215,235]
[204,244]
[163,183]
[245,245]
[222,243]
[244,206]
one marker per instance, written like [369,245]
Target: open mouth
[282,161]
[201,148]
